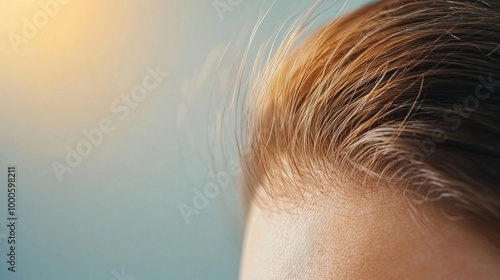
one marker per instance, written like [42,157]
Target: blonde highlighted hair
[402,95]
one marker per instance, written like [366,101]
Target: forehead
[354,240]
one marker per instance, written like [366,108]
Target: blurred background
[115,116]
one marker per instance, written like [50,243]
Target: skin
[374,237]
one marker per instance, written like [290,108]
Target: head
[375,147]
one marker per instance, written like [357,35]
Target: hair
[398,95]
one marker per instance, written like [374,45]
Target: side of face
[362,238]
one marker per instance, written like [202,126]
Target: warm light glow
[73,59]
[19,4]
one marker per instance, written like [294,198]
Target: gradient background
[118,210]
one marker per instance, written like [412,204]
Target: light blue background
[119,208]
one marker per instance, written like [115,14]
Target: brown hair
[399,94]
